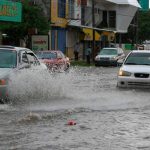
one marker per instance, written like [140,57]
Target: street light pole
[93,25]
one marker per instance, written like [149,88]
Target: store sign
[39,42]
[10,11]
[144,4]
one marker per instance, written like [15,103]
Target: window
[29,58]
[46,55]
[24,58]
[108,52]
[32,59]
[138,59]
[71,9]
[59,55]
[105,24]
[62,8]
[8,59]
[112,19]
[108,19]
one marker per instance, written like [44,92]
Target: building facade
[83,21]
[105,17]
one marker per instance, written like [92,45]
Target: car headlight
[112,58]
[97,58]
[124,73]
[2,82]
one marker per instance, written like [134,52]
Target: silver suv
[13,59]
[109,56]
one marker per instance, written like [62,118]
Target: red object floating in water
[71,122]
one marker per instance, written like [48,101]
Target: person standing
[76,51]
[88,54]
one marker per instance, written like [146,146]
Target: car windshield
[138,59]
[108,52]
[46,55]
[8,59]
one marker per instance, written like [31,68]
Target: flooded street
[107,118]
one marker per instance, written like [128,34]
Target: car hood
[4,72]
[136,68]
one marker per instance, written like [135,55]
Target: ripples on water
[42,104]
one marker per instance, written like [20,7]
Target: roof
[126,2]
[51,51]
[9,47]
[140,51]
[111,48]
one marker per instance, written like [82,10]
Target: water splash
[27,85]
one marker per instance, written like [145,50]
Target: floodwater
[105,117]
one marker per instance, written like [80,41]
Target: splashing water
[33,84]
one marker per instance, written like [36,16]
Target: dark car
[109,57]
[54,59]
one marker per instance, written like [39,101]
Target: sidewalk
[81,63]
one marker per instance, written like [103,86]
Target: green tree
[144,25]
[32,18]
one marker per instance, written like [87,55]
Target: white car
[135,70]
[109,56]
[13,59]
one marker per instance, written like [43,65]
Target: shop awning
[89,34]
[110,35]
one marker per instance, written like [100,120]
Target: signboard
[144,4]
[40,42]
[10,11]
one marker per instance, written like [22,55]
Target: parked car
[54,59]
[13,59]
[135,70]
[109,56]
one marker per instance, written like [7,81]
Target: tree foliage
[144,25]
[138,30]
[32,17]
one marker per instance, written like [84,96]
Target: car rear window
[108,52]
[46,55]
[8,58]
[138,59]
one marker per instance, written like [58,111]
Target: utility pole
[93,25]
[137,26]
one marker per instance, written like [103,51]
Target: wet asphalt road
[107,118]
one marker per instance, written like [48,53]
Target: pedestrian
[76,50]
[88,54]
[97,50]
